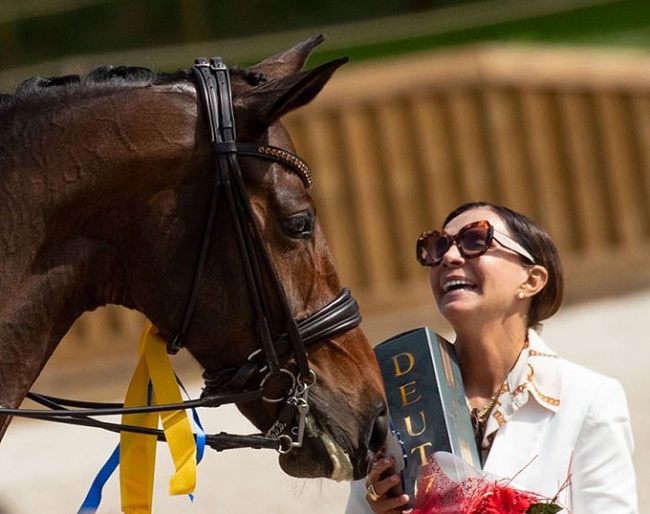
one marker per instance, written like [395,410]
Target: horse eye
[299,226]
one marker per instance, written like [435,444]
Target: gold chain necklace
[483,413]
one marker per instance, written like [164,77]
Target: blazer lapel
[518,442]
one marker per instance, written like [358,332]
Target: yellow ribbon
[138,451]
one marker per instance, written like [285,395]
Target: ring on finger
[372,494]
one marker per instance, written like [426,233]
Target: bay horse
[125,187]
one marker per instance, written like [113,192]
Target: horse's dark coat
[104,183]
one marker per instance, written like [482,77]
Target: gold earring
[520,295]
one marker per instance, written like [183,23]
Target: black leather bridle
[247,382]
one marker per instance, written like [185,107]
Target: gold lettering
[406,391]
[446,363]
[466,453]
[399,359]
[409,425]
[421,451]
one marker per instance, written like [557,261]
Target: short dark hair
[539,243]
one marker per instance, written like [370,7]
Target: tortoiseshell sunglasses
[472,240]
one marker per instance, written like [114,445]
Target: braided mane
[101,79]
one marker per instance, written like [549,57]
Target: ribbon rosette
[448,485]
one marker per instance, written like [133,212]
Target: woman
[495,276]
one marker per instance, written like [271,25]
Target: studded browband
[274,153]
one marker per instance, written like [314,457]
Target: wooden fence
[562,135]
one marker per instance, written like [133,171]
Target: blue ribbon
[94,496]
[199,433]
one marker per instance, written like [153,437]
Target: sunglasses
[473,240]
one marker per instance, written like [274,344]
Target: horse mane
[104,78]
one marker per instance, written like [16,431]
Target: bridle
[247,382]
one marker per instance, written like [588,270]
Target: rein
[232,385]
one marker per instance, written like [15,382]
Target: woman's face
[484,287]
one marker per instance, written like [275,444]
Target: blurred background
[542,105]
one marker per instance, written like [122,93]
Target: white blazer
[587,439]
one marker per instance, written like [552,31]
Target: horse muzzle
[329,453]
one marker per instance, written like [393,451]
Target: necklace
[478,419]
[484,412]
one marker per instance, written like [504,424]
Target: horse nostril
[379,431]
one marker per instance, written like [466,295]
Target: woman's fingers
[394,505]
[389,504]
[380,481]
[386,484]
[379,468]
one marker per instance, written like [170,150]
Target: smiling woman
[495,276]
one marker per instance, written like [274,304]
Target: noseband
[246,382]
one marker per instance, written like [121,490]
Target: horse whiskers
[341,465]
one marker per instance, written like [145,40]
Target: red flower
[471,492]
[498,499]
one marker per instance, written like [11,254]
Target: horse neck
[74,175]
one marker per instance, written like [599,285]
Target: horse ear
[272,100]
[302,88]
[288,62]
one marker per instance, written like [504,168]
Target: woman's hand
[384,491]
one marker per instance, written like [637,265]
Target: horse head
[109,184]
[347,417]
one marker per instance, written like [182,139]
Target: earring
[520,295]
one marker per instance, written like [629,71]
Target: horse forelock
[252,78]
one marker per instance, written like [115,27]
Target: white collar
[536,374]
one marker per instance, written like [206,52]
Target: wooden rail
[562,135]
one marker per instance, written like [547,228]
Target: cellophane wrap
[448,485]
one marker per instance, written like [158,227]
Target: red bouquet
[448,485]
